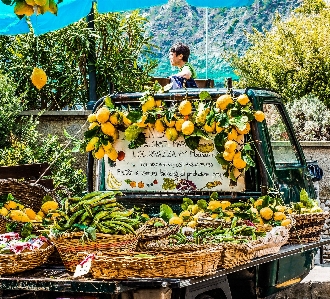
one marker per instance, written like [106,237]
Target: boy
[179,54]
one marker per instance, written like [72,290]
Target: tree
[120,46]
[293,57]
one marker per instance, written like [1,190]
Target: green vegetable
[166,212]
[72,219]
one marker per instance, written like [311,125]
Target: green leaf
[223,119]
[210,117]
[140,140]
[221,160]
[214,196]
[26,230]
[202,204]
[247,147]
[249,161]
[108,102]
[166,212]
[135,115]
[219,141]
[204,95]
[192,141]
[91,133]
[186,202]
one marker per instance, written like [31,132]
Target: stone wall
[74,122]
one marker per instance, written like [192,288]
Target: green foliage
[22,144]
[292,58]
[120,43]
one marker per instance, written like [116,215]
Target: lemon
[38,76]
[266,213]
[114,119]
[142,123]
[243,99]
[171,134]
[91,118]
[232,135]
[112,154]
[108,129]
[99,154]
[245,130]
[223,101]
[239,163]
[102,115]
[279,216]
[185,107]
[230,146]
[149,104]
[93,125]
[159,126]
[286,222]
[176,220]
[259,116]
[188,127]
[228,156]
[178,124]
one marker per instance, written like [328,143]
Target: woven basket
[69,244]
[307,227]
[29,194]
[272,242]
[3,222]
[15,263]
[235,254]
[185,264]
[148,233]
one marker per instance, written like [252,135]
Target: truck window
[284,150]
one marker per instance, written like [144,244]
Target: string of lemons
[204,121]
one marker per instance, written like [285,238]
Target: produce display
[24,219]
[205,125]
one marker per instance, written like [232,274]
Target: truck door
[290,165]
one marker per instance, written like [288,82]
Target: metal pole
[91,60]
[206,40]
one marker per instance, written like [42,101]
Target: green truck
[280,166]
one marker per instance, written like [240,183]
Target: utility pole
[91,60]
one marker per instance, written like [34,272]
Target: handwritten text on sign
[162,165]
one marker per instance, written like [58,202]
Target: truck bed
[57,279]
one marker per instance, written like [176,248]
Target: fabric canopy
[71,11]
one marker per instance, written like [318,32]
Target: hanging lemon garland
[29,7]
[205,125]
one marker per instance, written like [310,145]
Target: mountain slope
[177,21]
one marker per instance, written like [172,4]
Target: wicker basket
[272,242]
[15,263]
[29,194]
[185,264]
[235,254]
[3,222]
[148,233]
[69,244]
[307,227]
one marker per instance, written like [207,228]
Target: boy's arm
[185,72]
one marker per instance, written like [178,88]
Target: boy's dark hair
[180,48]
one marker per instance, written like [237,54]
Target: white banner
[163,165]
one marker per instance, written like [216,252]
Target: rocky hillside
[177,21]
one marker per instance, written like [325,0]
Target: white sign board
[163,165]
